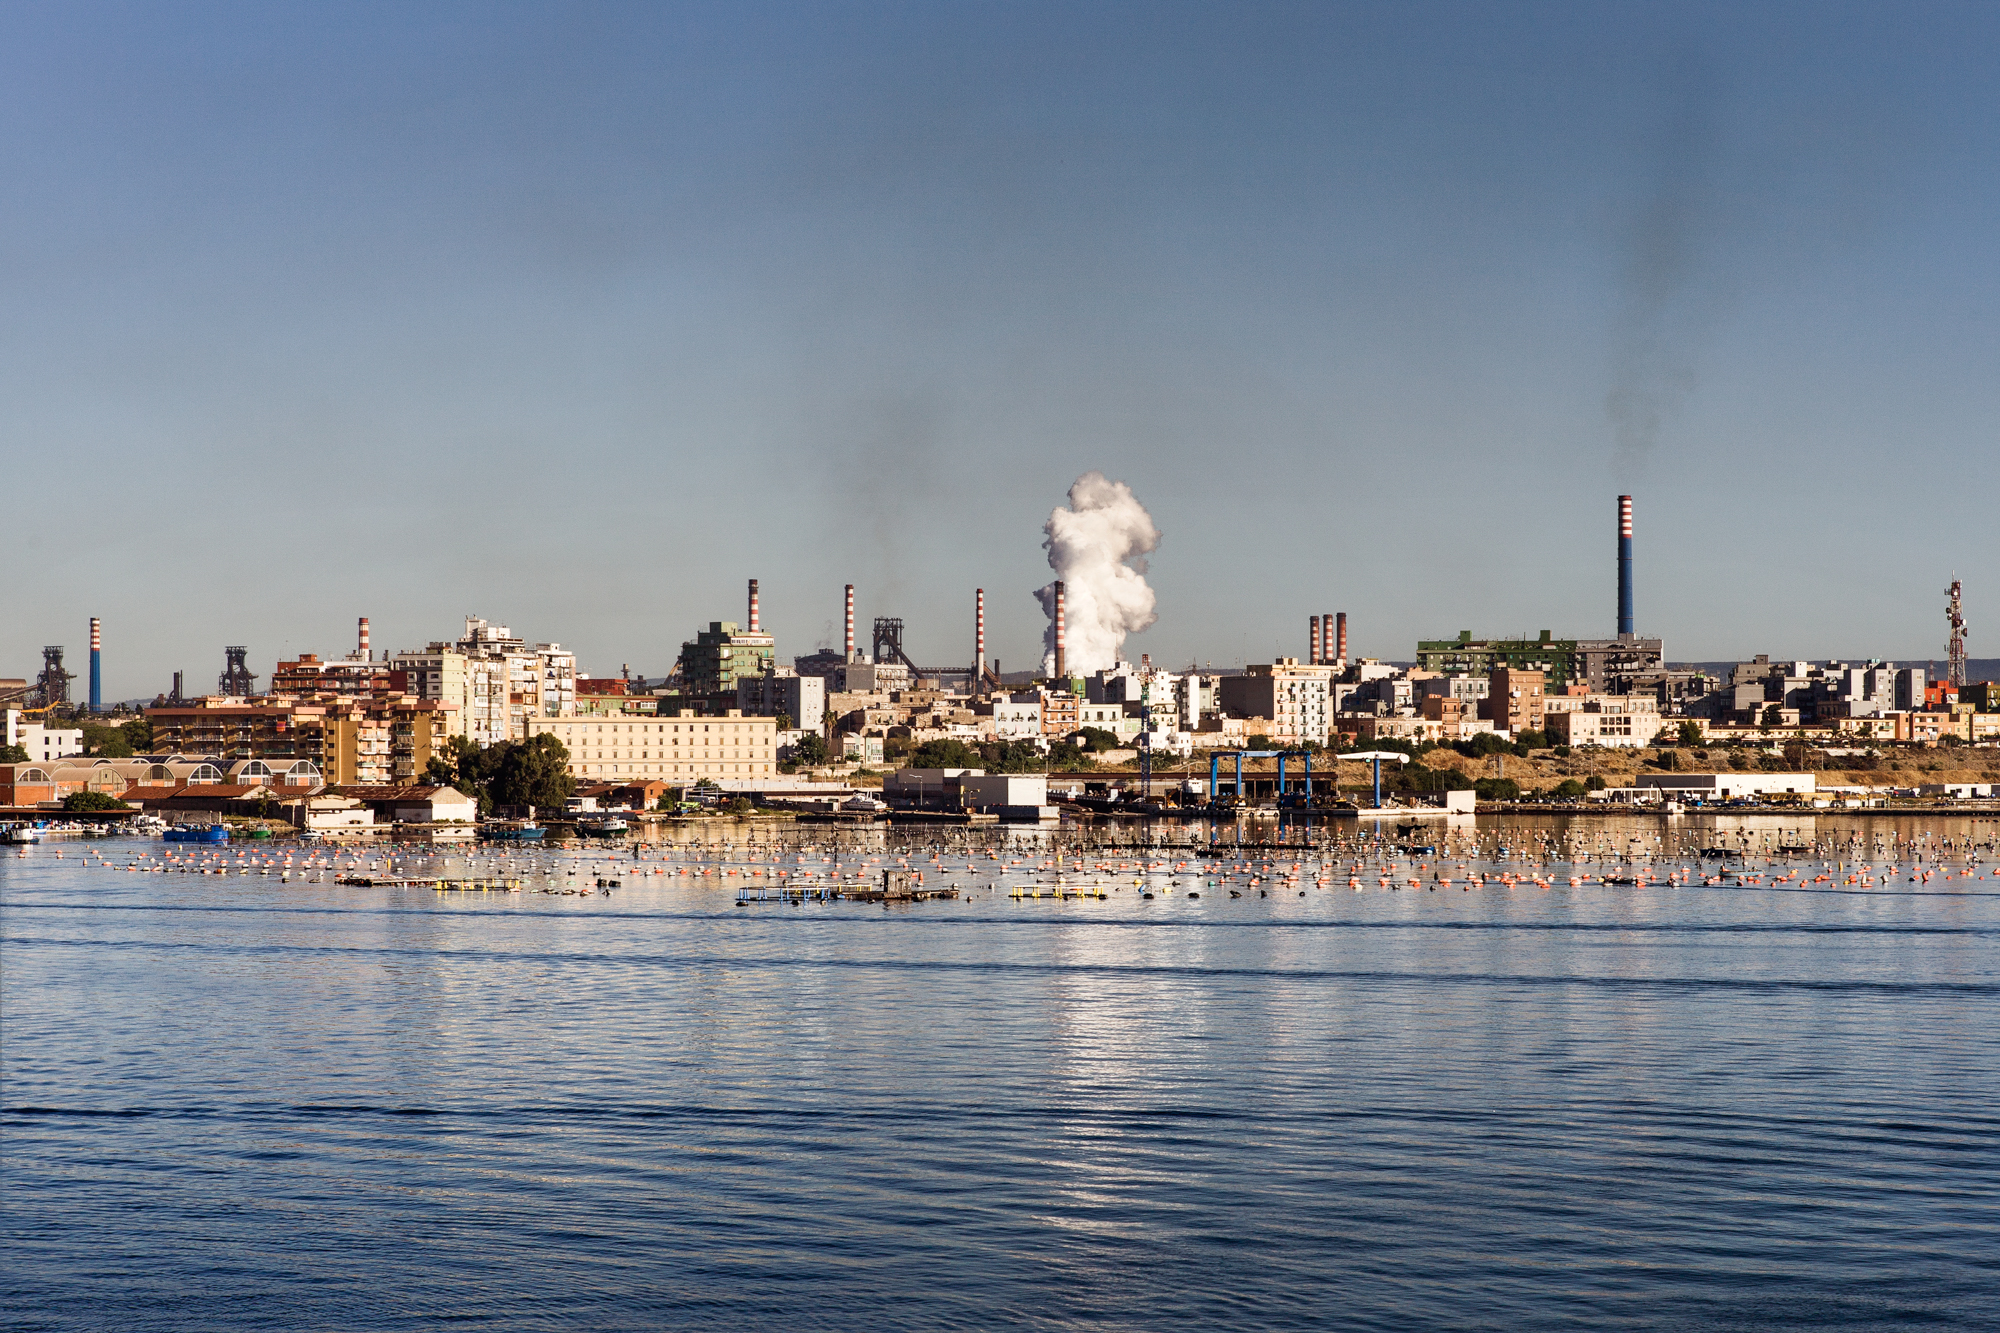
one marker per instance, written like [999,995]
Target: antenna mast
[1955,646]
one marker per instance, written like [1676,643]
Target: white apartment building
[1609,720]
[1017,719]
[1294,698]
[500,683]
[41,742]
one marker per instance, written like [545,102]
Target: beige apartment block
[675,749]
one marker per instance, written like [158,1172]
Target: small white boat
[21,833]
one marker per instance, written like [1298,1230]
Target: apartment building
[1296,697]
[1515,700]
[494,681]
[718,656]
[679,749]
[43,743]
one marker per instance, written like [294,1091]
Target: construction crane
[1954,614]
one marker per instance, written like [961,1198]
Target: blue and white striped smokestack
[96,668]
[1624,566]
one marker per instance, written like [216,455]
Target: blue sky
[577,317]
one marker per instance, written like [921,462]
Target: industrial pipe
[1624,566]
[1060,671]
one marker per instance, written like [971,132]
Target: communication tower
[1954,614]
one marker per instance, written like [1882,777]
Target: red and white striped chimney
[96,635]
[1061,616]
[1312,643]
[363,648]
[753,606]
[1340,656]
[978,635]
[849,641]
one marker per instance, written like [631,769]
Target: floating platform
[479,884]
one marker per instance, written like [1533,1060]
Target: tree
[1497,789]
[464,766]
[1569,789]
[1416,777]
[533,772]
[1774,716]
[809,749]
[92,800]
[14,754]
[1066,758]
[139,734]
[944,753]
[1593,783]
[1260,743]
[1095,738]
[1691,734]
[1012,757]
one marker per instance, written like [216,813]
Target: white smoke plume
[1097,547]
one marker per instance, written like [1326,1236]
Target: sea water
[266,1100]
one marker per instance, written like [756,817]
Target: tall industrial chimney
[1326,639]
[1312,643]
[1061,671]
[1340,655]
[849,641]
[361,649]
[96,667]
[753,606]
[1624,566]
[978,636]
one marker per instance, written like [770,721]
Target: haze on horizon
[577,317]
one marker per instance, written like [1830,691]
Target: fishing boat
[22,833]
[601,826]
[512,832]
[197,833]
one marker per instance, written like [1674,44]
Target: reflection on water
[1747,1091]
